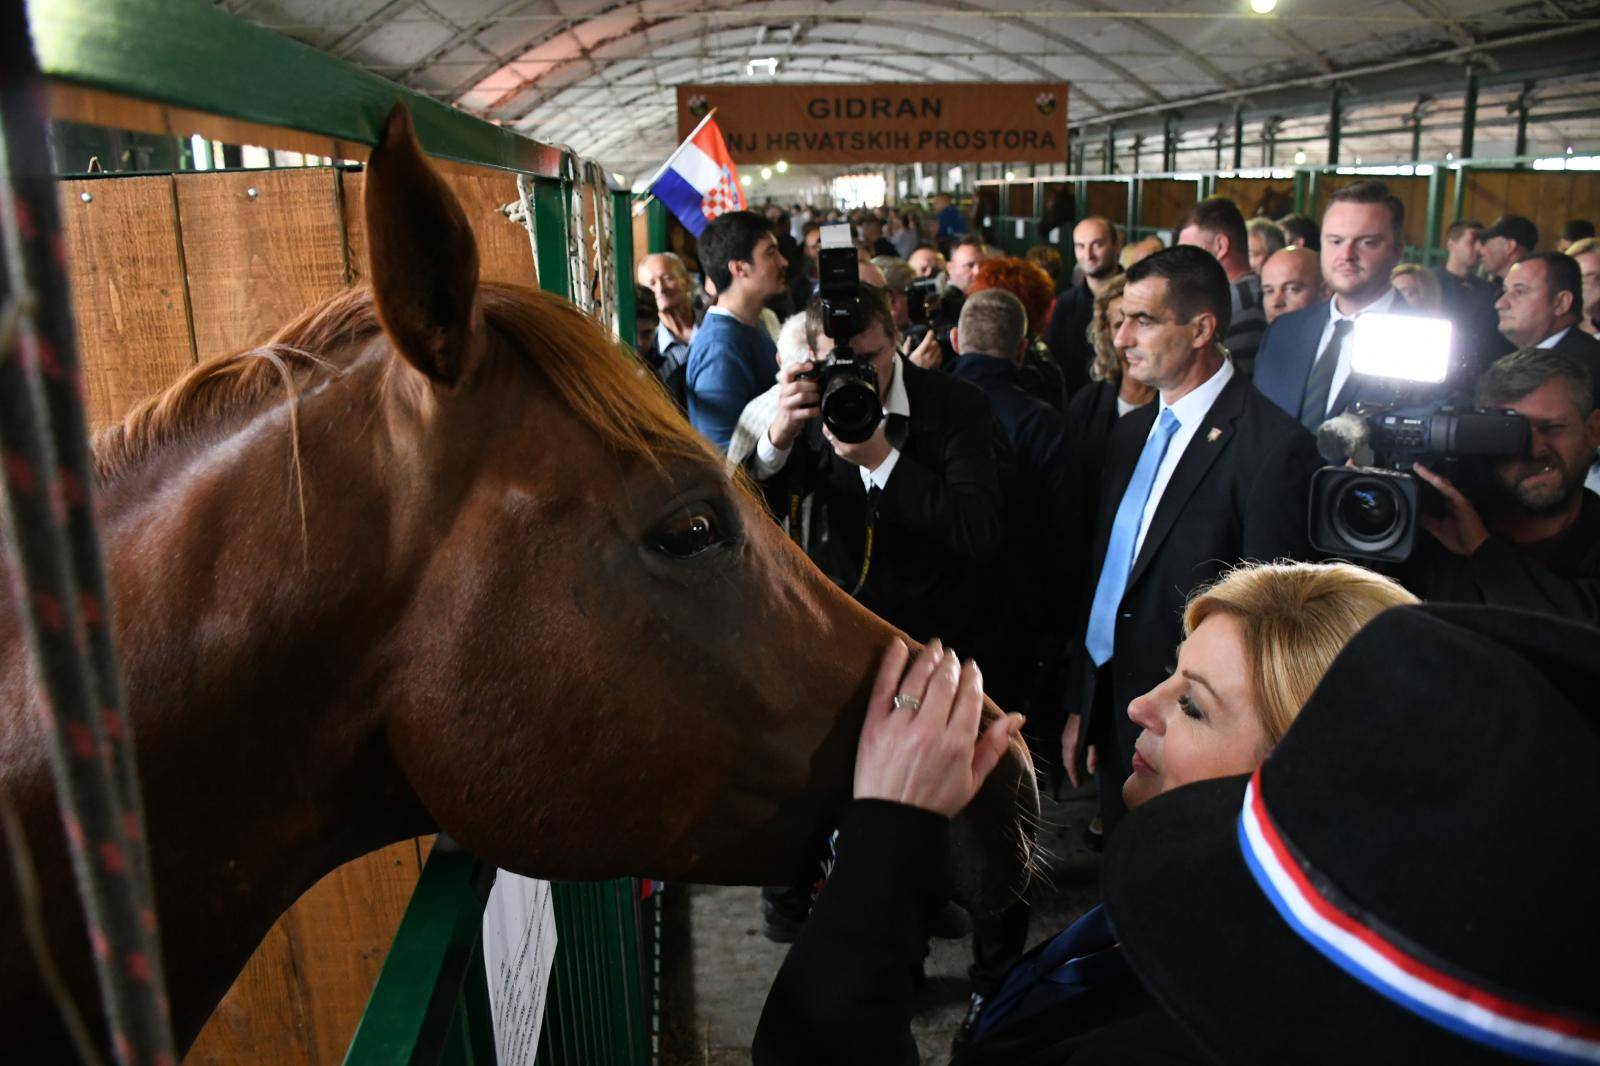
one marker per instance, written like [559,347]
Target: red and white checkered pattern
[723,197]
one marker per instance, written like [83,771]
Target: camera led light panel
[1403,347]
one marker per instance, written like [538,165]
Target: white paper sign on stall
[519,946]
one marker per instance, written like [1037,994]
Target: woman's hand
[928,753]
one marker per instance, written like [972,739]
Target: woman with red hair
[1042,376]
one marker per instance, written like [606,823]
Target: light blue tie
[1124,535]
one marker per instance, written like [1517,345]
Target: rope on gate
[58,580]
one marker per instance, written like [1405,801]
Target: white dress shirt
[1190,411]
[1554,339]
[1341,371]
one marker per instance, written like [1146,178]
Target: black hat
[1513,228]
[1426,835]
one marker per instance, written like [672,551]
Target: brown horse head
[442,555]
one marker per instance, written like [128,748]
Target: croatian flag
[698,181]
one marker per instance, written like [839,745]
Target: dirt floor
[717,966]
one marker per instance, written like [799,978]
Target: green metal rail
[431,1001]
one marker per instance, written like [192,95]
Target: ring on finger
[902,700]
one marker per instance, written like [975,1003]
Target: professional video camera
[930,310]
[850,406]
[1370,510]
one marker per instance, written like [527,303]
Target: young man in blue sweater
[732,359]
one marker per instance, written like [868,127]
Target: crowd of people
[1084,472]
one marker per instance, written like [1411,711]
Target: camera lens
[1370,514]
[850,406]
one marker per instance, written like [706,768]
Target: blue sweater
[729,365]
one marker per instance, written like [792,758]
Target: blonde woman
[1256,643]
[1419,287]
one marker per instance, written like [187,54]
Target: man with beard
[1537,546]
[1095,246]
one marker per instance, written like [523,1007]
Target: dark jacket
[1046,528]
[937,523]
[1067,336]
[1581,346]
[1239,492]
[1090,418]
[844,994]
[1290,347]
[1559,577]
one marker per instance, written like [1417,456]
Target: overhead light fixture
[782,166]
[1300,156]
[767,67]
[1263,7]
[744,179]
[1011,175]
[766,173]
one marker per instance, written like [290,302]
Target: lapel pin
[1215,435]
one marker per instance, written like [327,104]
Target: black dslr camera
[850,406]
[1370,510]
[930,312]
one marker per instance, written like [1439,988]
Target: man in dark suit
[1542,306]
[1303,364]
[1210,476]
[906,521]
[1536,545]
[925,483]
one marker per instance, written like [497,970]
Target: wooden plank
[254,262]
[351,184]
[300,997]
[1107,199]
[1163,202]
[504,252]
[128,292]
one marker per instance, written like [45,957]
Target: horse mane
[604,388]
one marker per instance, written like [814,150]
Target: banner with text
[887,122]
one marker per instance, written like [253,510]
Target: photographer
[1537,546]
[919,313]
[905,520]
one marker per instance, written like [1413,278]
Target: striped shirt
[1249,323]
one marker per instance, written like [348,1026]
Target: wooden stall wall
[1257,196]
[1107,199]
[1548,197]
[1164,201]
[169,270]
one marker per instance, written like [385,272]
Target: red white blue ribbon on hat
[1397,970]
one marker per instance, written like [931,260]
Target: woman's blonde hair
[1105,366]
[1295,618]
[1427,285]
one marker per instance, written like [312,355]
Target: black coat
[1036,579]
[1067,335]
[1560,578]
[1240,492]
[844,994]
[938,520]
[1585,348]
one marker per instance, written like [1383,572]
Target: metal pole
[1110,161]
[1430,233]
[1238,137]
[1469,113]
[1523,102]
[1335,120]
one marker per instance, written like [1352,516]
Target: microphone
[1343,438]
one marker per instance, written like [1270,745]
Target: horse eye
[687,534]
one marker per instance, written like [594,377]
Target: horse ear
[422,257]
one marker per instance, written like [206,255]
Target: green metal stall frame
[431,1002]
[1305,180]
